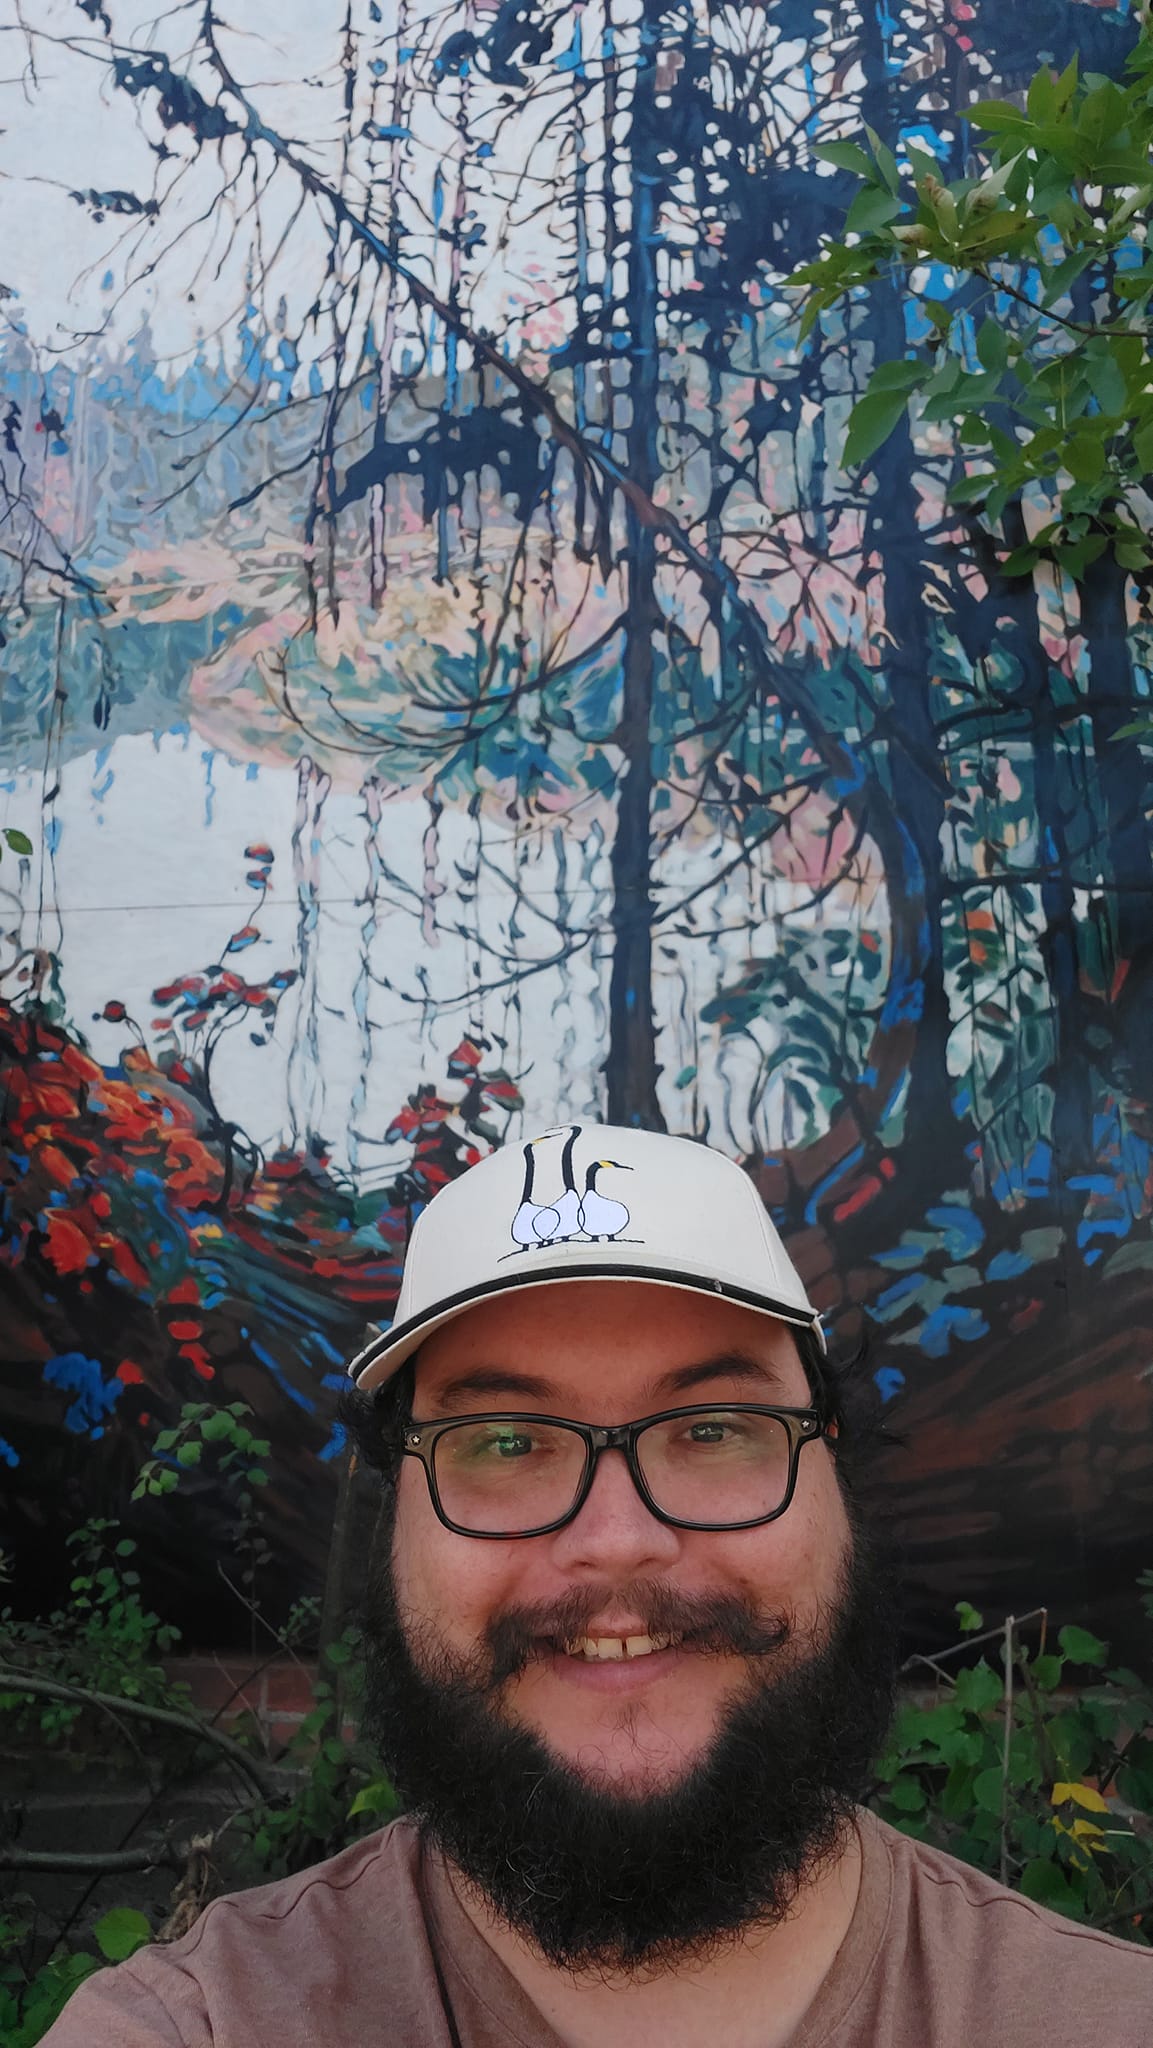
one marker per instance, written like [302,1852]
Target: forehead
[603,1350]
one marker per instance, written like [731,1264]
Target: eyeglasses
[701,1467]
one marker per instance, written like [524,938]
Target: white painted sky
[66,128]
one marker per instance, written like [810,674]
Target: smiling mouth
[616,1649]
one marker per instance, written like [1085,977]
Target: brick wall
[276,1693]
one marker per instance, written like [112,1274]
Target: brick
[288,1687]
[281,1730]
[217,1684]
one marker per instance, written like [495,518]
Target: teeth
[611,1649]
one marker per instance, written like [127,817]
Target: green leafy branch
[1041,363]
[223,1431]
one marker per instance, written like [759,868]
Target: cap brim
[385,1355]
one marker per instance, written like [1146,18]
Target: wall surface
[451,688]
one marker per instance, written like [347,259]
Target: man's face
[611,1352]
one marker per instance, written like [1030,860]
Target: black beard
[601,1881]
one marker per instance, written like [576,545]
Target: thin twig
[1010,1625]
[168,1717]
[988,1635]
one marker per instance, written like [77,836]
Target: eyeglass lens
[716,1467]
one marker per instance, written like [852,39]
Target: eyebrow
[499,1380]
[494,1379]
[732,1365]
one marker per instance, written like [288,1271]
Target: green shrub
[1040,1772]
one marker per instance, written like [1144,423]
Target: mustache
[710,1624]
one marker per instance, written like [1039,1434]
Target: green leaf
[18,841]
[996,502]
[956,1796]
[962,1747]
[1106,379]
[871,209]
[968,488]
[978,1688]
[871,421]
[121,1932]
[997,116]
[992,346]
[1072,1743]
[1021,562]
[1076,558]
[1046,1672]
[988,1789]
[1082,1648]
[1041,99]
[1046,1883]
[1143,448]
[1065,274]
[922,162]
[189,1454]
[968,1618]
[811,312]
[1085,458]
[378,1797]
[886,161]
[1066,85]
[847,156]
[1102,113]
[906,1794]
[902,374]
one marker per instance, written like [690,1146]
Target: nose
[614,1534]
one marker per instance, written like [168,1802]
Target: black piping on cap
[382,1342]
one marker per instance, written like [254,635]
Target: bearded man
[630,1655]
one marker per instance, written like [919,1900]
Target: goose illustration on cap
[600,1216]
[574,1217]
[548,1223]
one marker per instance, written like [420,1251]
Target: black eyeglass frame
[802,1425]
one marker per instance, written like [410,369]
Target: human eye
[712,1431]
[513,1443]
[495,1443]
[717,1433]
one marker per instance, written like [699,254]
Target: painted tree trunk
[917,781]
[1072,1056]
[1121,770]
[631,1069]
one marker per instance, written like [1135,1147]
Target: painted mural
[449,687]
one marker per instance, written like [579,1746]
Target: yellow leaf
[1086,1830]
[1081,1795]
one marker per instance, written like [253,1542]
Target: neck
[754,1993]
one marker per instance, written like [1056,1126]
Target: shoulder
[370,1877]
[268,1963]
[1004,1952]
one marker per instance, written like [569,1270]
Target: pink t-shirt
[373,1948]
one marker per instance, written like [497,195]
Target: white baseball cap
[588,1202]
